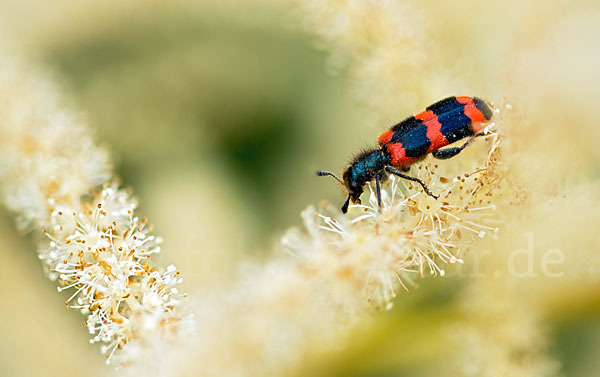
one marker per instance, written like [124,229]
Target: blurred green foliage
[256,104]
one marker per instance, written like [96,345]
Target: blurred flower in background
[218,114]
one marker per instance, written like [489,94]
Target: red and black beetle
[409,141]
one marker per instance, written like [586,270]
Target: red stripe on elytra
[398,155]
[385,137]
[435,135]
[476,116]
[426,115]
[464,100]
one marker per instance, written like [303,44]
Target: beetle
[443,123]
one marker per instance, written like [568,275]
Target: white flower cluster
[50,170]
[371,253]
[102,251]
[331,274]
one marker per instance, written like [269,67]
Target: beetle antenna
[322,173]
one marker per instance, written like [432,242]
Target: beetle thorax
[364,168]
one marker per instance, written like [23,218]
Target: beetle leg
[442,154]
[345,205]
[414,179]
[378,186]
